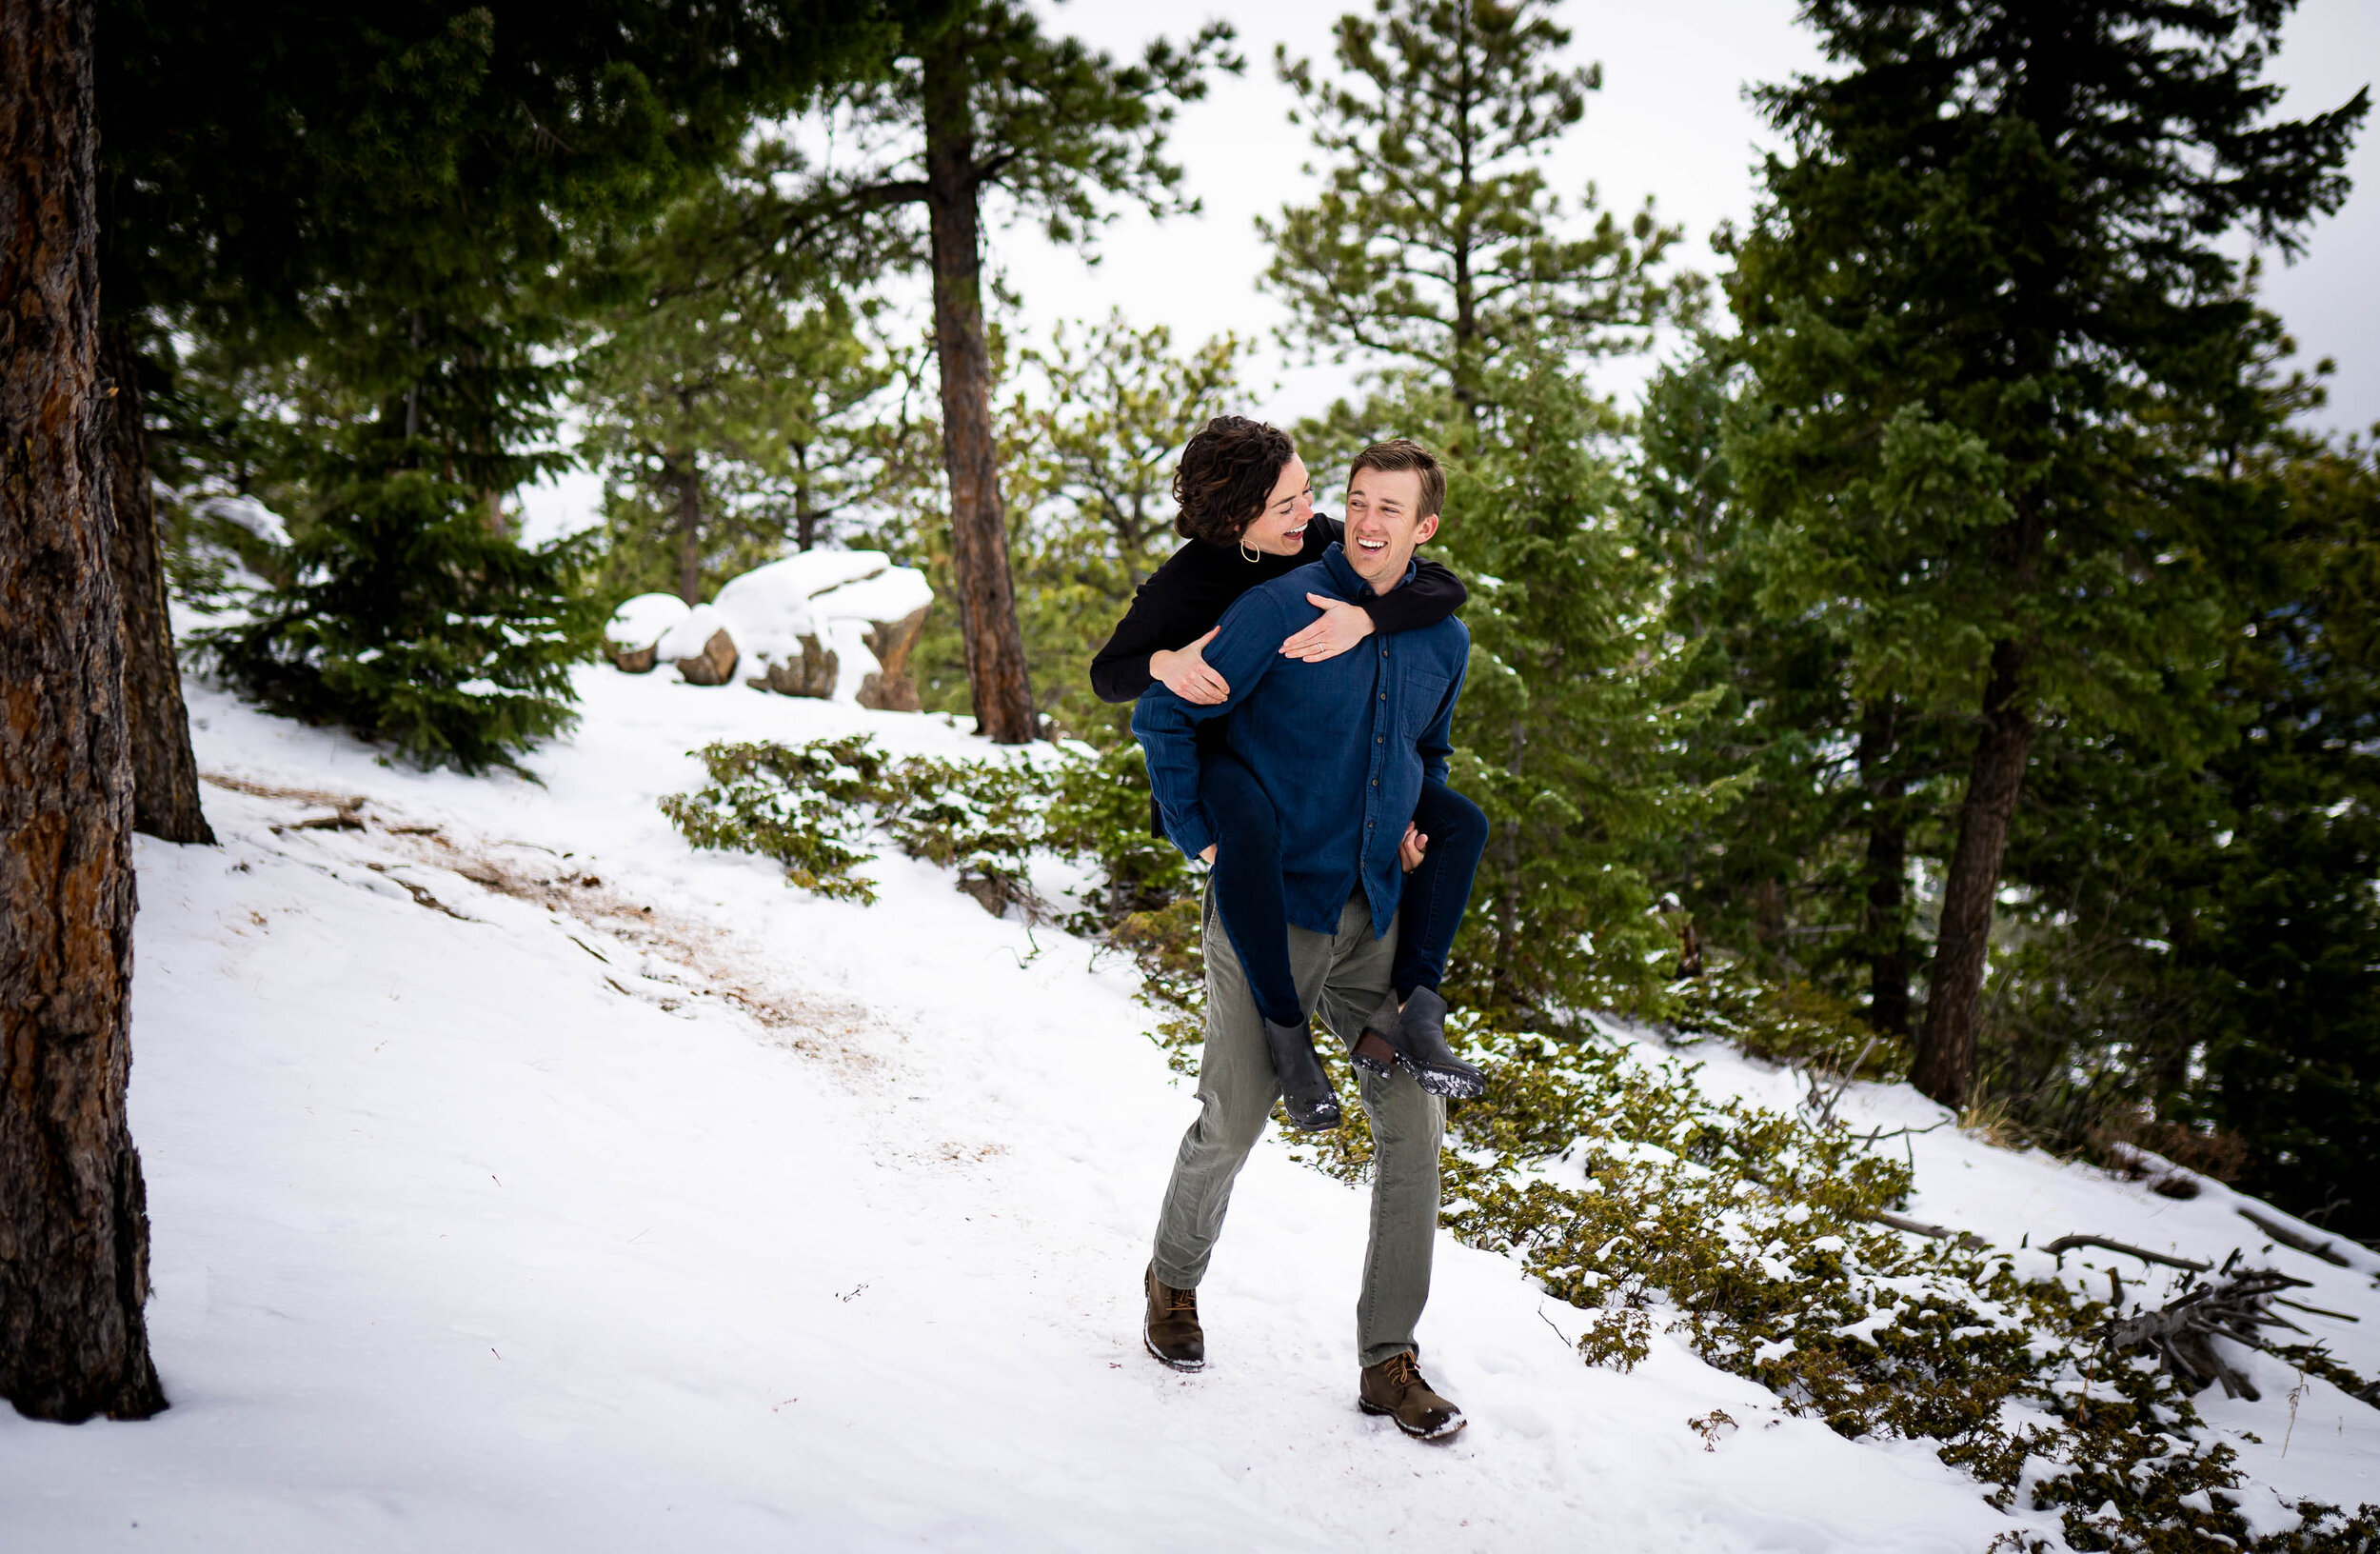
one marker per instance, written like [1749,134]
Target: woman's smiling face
[1280,528]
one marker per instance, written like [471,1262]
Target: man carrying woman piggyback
[1296,681]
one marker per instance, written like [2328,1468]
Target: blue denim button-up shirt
[1341,747]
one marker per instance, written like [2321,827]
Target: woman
[1246,510]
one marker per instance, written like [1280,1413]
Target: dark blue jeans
[1247,888]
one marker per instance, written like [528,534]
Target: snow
[770,606]
[692,633]
[645,620]
[890,595]
[248,513]
[537,1182]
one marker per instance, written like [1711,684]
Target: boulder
[635,629]
[701,648]
[714,665]
[837,624]
[883,692]
[808,668]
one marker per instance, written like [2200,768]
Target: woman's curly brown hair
[1225,475]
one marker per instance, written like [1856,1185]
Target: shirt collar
[1350,581]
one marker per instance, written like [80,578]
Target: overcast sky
[1671,122]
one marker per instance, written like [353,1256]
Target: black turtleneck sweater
[1181,599]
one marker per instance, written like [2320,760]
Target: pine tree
[1437,245]
[2196,948]
[1575,698]
[394,203]
[1807,875]
[1986,273]
[1099,417]
[1438,254]
[982,100]
[73,1217]
[733,414]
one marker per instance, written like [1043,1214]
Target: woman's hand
[1207,852]
[1410,847]
[1338,627]
[1183,671]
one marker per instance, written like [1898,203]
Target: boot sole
[1453,1426]
[1447,1087]
[1150,1345]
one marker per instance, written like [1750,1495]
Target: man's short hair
[1401,453]
[1226,475]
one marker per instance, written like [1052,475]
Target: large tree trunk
[165,772]
[1946,1048]
[979,529]
[73,1224]
[1884,926]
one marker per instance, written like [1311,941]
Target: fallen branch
[2182,1332]
[2295,1239]
[1918,1227]
[2067,1242]
[2317,1311]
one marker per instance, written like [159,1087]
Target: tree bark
[165,771]
[1946,1047]
[979,529]
[73,1224]
[1884,926]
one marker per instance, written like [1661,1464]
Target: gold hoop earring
[1248,554]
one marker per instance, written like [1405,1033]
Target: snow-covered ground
[520,1178]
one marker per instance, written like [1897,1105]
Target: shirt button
[1384,695]
[1375,782]
[1380,739]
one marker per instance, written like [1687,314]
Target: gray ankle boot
[1305,1085]
[1417,1035]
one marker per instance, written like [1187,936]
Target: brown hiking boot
[1394,1387]
[1172,1330]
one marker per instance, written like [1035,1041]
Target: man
[1341,747]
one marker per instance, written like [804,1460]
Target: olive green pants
[1342,977]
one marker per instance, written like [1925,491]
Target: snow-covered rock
[636,628]
[891,607]
[808,625]
[703,646]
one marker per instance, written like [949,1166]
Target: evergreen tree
[1807,874]
[1972,298]
[1087,430]
[1437,245]
[733,415]
[2196,946]
[394,199]
[414,622]
[1575,700]
[74,1210]
[982,100]
[1437,250]
[1098,418]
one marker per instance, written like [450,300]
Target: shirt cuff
[1194,835]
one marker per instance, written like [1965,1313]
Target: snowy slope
[522,1179]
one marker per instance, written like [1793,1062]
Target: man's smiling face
[1385,523]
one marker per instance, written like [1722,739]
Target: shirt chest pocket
[1418,700]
